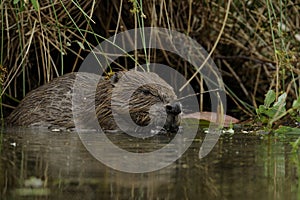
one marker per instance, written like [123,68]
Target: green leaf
[296,103]
[261,110]
[16,1]
[270,98]
[281,100]
[80,44]
[35,4]
[257,111]
[271,112]
[264,119]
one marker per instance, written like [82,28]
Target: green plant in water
[270,111]
[284,58]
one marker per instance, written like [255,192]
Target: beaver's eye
[145,92]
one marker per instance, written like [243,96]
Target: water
[37,164]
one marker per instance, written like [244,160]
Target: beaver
[50,105]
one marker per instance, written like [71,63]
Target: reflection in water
[38,163]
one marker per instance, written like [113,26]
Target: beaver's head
[150,100]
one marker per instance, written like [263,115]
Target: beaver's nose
[174,108]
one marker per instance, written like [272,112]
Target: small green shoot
[35,4]
[295,111]
[271,110]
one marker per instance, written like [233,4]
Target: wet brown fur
[51,104]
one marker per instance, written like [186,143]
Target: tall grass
[257,51]
[286,80]
[35,40]
[1,60]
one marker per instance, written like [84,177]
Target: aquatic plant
[271,111]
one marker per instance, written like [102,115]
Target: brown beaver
[51,104]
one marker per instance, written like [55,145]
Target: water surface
[40,164]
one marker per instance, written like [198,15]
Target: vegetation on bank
[258,53]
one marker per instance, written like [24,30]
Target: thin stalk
[213,48]
[88,20]
[60,39]
[248,109]
[119,18]
[1,140]
[139,17]
[1,60]
[21,50]
[2,32]
[283,46]
[78,29]
[141,26]
[270,8]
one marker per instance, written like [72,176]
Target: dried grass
[35,43]
[258,50]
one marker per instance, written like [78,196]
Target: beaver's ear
[116,77]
